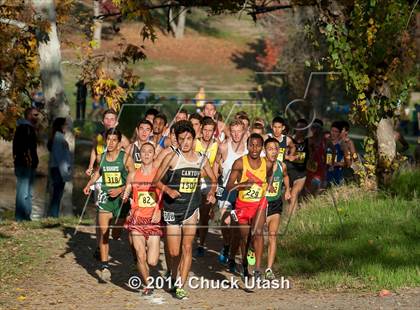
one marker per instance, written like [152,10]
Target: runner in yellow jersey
[206,145]
[249,176]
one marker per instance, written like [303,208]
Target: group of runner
[170,178]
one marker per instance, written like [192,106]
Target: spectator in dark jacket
[81,94]
[60,164]
[25,159]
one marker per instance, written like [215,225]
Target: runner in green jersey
[274,198]
[116,169]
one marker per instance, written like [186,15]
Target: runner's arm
[286,182]
[235,177]
[129,165]
[163,168]
[96,175]
[291,148]
[209,172]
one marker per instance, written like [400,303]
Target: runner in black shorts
[296,165]
[274,198]
[179,179]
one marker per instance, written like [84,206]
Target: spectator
[60,164]
[25,159]
[81,94]
[98,108]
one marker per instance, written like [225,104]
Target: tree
[177,21]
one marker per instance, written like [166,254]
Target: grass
[406,184]
[368,243]
[25,247]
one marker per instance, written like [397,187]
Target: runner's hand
[89,171]
[210,198]
[86,190]
[271,188]
[115,192]
[287,195]
[173,193]
[156,216]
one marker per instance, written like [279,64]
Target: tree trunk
[52,83]
[97,25]
[177,22]
[387,149]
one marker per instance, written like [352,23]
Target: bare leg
[257,236]
[273,223]
[173,238]
[296,189]
[204,221]
[188,232]
[139,243]
[103,220]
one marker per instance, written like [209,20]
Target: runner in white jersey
[228,152]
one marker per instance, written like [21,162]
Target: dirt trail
[69,281]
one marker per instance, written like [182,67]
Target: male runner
[182,115]
[287,148]
[116,169]
[144,219]
[158,138]
[274,198]
[296,165]
[179,179]
[151,114]
[335,171]
[250,175]
[232,149]
[207,145]
[196,121]
[143,131]
[209,110]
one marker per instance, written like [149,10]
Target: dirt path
[69,282]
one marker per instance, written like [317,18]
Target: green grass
[406,184]
[375,245]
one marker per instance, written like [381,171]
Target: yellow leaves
[21,298]
[371,32]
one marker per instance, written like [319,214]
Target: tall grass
[366,241]
[405,184]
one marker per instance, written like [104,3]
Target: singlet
[100,143]
[230,159]
[254,194]
[145,196]
[210,151]
[283,148]
[161,142]
[277,183]
[301,154]
[185,178]
[136,155]
[114,174]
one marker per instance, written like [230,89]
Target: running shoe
[167,275]
[257,274]
[232,265]
[105,274]
[250,257]
[269,274]
[200,251]
[180,293]
[147,292]
[223,256]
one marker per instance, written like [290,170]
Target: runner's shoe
[200,251]
[257,274]
[251,257]
[269,274]
[180,293]
[245,273]
[147,292]
[105,274]
[223,256]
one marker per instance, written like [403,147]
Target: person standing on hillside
[25,159]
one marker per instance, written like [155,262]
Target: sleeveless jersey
[277,184]
[185,179]
[257,191]
[301,154]
[283,148]
[228,163]
[114,174]
[145,196]
[210,151]
[136,155]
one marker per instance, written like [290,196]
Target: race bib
[281,154]
[253,194]
[188,185]
[168,216]
[112,179]
[329,159]
[146,199]
[300,157]
[219,191]
[276,186]
[137,165]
